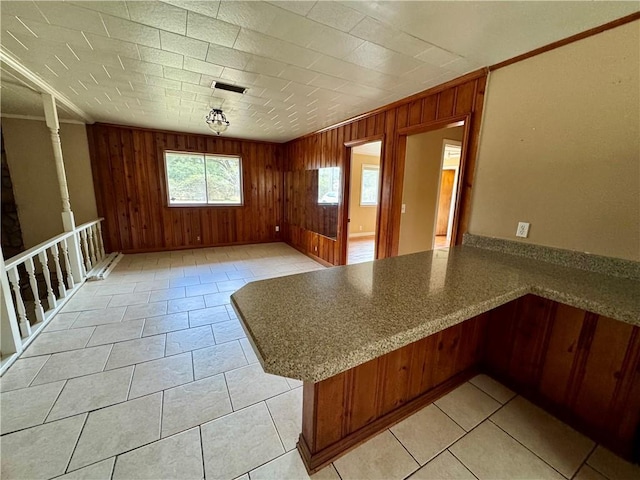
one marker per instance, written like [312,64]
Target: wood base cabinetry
[583,368]
[343,411]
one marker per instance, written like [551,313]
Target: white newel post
[10,338]
[68,222]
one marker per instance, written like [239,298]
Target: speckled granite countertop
[314,325]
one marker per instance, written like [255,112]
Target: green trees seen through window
[195,178]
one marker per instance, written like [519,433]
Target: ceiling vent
[227,87]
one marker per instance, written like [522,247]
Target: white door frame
[454,191]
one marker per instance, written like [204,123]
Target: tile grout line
[133,364]
[459,460]
[586,460]
[46,417]
[113,467]
[406,450]
[275,427]
[204,468]
[84,424]
[34,377]
[528,449]
[161,415]
[466,432]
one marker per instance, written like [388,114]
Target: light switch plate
[404,208]
[523,230]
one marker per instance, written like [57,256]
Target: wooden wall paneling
[470,155]
[429,108]
[402,116]
[363,393]
[330,393]
[415,112]
[387,167]
[581,367]
[626,405]
[529,340]
[130,183]
[561,353]
[395,206]
[120,191]
[371,126]
[448,347]
[472,343]
[446,103]
[350,407]
[603,372]
[498,347]
[418,111]
[395,379]
[378,125]
[98,152]
[140,173]
[464,98]
[340,248]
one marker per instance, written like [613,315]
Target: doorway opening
[447,192]
[433,162]
[364,194]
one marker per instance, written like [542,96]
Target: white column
[68,222]
[10,338]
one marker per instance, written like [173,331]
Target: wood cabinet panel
[604,371]
[129,180]
[582,367]
[557,372]
[348,408]
[330,395]
[530,333]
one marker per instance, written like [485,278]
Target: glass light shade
[217,121]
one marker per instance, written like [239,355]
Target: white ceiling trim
[39,119]
[42,86]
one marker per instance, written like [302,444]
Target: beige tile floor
[148,374]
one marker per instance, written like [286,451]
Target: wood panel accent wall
[582,367]
[346,409]
[459,98]
[129,180]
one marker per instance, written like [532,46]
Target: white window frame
[202,204]
[369,166]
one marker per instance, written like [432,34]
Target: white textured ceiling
[306,64]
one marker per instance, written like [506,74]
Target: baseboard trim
[362,234]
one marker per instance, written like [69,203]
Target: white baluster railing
[26,276]
[82,235]
[90,237]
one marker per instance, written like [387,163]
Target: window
[369,186]
[329,185]
[202,179]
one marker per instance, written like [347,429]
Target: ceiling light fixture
[216,121]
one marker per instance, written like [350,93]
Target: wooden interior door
[444,202]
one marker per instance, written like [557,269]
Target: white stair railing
[28,275]
[90,237]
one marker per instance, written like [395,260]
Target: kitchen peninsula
[375,342]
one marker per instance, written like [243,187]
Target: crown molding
[42,86]
[39,119]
